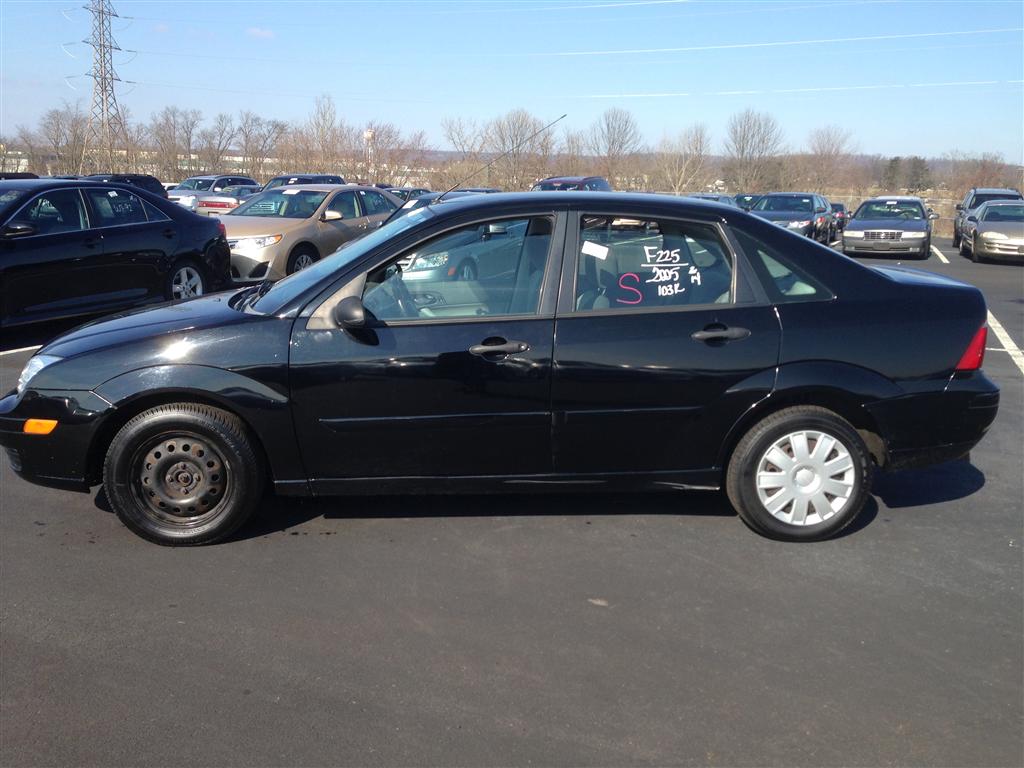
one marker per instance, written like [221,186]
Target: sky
[904,77]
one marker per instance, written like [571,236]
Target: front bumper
[252,266]
[932,427]
[62,458]
[1011,250]
[863,246]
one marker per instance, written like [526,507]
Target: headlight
[798,224]
[854,233]
[913,235]
[433,261]
[993,236]
[32,367]
[257,242]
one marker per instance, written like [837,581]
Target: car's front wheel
[183,474]
[801,474]
[302,257]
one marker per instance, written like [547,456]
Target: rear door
[663,341]
[376,208]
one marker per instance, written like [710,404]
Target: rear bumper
[60,459]
[933,427]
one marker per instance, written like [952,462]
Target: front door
[660,349]
[336,232]
[451,375]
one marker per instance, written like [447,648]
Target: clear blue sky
[905,77]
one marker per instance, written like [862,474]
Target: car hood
[1012,229]
[202,331]
[253,226]
[912,225]
[785,215]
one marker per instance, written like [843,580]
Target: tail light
[222,228]
[975,354]
[216,204]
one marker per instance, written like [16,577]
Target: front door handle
[498,346]
[720,333]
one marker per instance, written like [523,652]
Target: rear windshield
[786,203]
[200,184]
[984,198]
[897,210]
[1014,213]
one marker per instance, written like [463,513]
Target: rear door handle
[720,333]
[498,347]
[168,233]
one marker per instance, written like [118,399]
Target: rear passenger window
[784,282]
[116,207]
[626,263]
[375,203]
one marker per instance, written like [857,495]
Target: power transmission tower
[106,128]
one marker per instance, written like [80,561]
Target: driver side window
[486,269]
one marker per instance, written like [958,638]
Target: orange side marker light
[39,426]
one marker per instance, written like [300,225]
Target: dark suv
[572,184]
[975,197]
[140,180]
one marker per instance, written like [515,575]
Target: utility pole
[106,129]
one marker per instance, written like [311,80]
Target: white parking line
[16,351]
[938,253]
[837,242]
[1004,338]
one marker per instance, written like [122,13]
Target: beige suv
[283,230]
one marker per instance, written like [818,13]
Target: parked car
[715,198]
[746,202]
[841,215]
[572,184]
[995,231]
[186,192]
[304,178]
[407,193]
[621,350]
[283,230]
[226,200]
[480,190]
[16,175]
[975,197]
[70,248]
[890,226]
[803,212]
[169,185]
[429,198]
[140,180]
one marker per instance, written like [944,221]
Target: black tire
[927,252]
[187,454]
[176,274]
[974,251]
[956,238]
[741,476]
[296,257]
[963,249]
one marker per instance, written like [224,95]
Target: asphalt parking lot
[550,629]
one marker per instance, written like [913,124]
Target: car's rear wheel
[801,474]
[183,474]
[185,280]
[303,256]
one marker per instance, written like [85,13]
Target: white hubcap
[186,283]
[805,478]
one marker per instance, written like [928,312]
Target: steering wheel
[403,298]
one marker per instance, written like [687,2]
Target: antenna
[506,153]
[106,122]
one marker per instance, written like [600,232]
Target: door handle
[498,347]
[92,242]
[168,233]
[720,333]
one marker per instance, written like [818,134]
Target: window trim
[85,208]
[570,270]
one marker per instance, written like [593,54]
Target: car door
[50,271]
[449,378]
[336,232]
[139,243]
[376,207]
[663,340]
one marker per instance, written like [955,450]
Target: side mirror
[349,313]
[496,229]
[959,207]
[972,218]
[933,216]
[19,229]
[332,216]
[819,210]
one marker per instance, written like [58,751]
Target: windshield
[200,184]
[283,291]
[1014,213]
[9,200]
[557,186]
[289,203]
[979,198]
[904,210]
[839,207]
[786,204]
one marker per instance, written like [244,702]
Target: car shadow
[930,485]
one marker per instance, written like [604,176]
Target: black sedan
[637,342]
[77,247]
[802,212]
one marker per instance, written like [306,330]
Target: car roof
[629,200]
[790,194]
[31,184]
[568,178]
[902,198]
[995,203]
[326,187]
[1000,190]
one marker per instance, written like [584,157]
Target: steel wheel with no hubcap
[805,478]
[181,479]
[186,283]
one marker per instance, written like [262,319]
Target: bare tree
[258,139]
[63,131]
[829,148]
[753,142]
[614,139]
[681,162]
[520,156]
[572,160]
[393,157]
[214,142]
